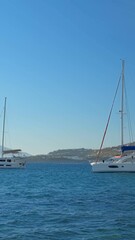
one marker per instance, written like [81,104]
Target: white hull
[113,167]
[122,163]
[12,163]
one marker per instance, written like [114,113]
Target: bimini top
[11,151]
[127,148]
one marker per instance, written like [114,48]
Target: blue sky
[59,67]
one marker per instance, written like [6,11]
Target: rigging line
[128,118]
[108,120]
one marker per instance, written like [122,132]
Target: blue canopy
[127,148]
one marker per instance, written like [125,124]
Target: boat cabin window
[2,160]
[113,166]
[8,160]
[8,165]
[1,165]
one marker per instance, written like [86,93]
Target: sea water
[66,202]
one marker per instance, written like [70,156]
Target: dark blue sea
[66,202]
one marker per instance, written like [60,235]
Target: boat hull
[12,163]
[112,167]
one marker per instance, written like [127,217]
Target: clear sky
[59,67]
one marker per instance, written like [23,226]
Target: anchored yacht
[126,161]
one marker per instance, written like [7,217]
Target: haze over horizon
[59,67]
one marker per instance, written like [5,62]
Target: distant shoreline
[55,160]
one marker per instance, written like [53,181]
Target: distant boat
[124,162]
[10,162]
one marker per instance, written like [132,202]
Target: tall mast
[3,132]
[122,103]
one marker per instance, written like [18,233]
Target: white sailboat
[14,161]
[124,162]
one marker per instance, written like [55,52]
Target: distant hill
[84,154]
[75,155]
[80,153]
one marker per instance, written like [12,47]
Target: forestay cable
[108,119]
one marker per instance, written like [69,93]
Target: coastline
[62,160]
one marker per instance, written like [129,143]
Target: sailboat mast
[3,132]
[122,104]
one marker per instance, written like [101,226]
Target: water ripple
[66,202]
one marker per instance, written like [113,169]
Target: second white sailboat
[124,162]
